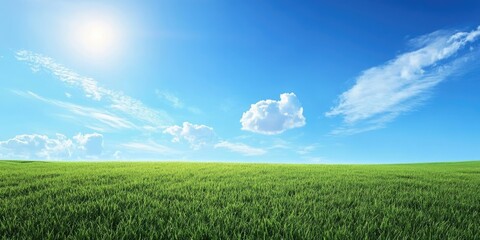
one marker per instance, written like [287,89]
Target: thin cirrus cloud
[382,93]
[117,101]
[274,117]
[93,118]
[36,146]
[149,147]
[175,102]
[241,148]
[196,135]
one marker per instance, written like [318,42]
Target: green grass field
[43,200]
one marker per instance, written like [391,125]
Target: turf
[45,200]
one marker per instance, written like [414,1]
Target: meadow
[148,200]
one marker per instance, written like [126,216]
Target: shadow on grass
[21,161]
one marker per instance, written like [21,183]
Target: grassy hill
[122,200]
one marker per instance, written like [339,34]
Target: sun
[96,36]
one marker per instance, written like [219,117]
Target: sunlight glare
[96,36]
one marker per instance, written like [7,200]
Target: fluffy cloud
[382,93]
[274,117]
[35,146]
[195,135]
[240,148]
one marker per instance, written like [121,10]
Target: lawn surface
[42,200]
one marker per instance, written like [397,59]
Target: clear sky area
[240,81]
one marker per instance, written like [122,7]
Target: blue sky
[248,81]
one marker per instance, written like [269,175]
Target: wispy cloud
[98,119]
[116,100]
[384,92]
[150,147]
[175,102]
[307,149]
[170,98]
[241,148]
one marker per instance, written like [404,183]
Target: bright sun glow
[96,36]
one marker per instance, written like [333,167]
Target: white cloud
[195,135]
[117,155]
[150,147]
[91,144]
[38,62]
[35,146]
[170,98]
[306,149]
[241,148]
[382,93]
[274,117]
[175,102]
[103,120]
[116,100]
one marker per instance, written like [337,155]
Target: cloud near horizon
[271,117]
[43,147]
[241,148]
[149,147]
[91,144]
[382,93]
[196,135]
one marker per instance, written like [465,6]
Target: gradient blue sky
[250,81]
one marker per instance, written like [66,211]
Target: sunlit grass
[214,200]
